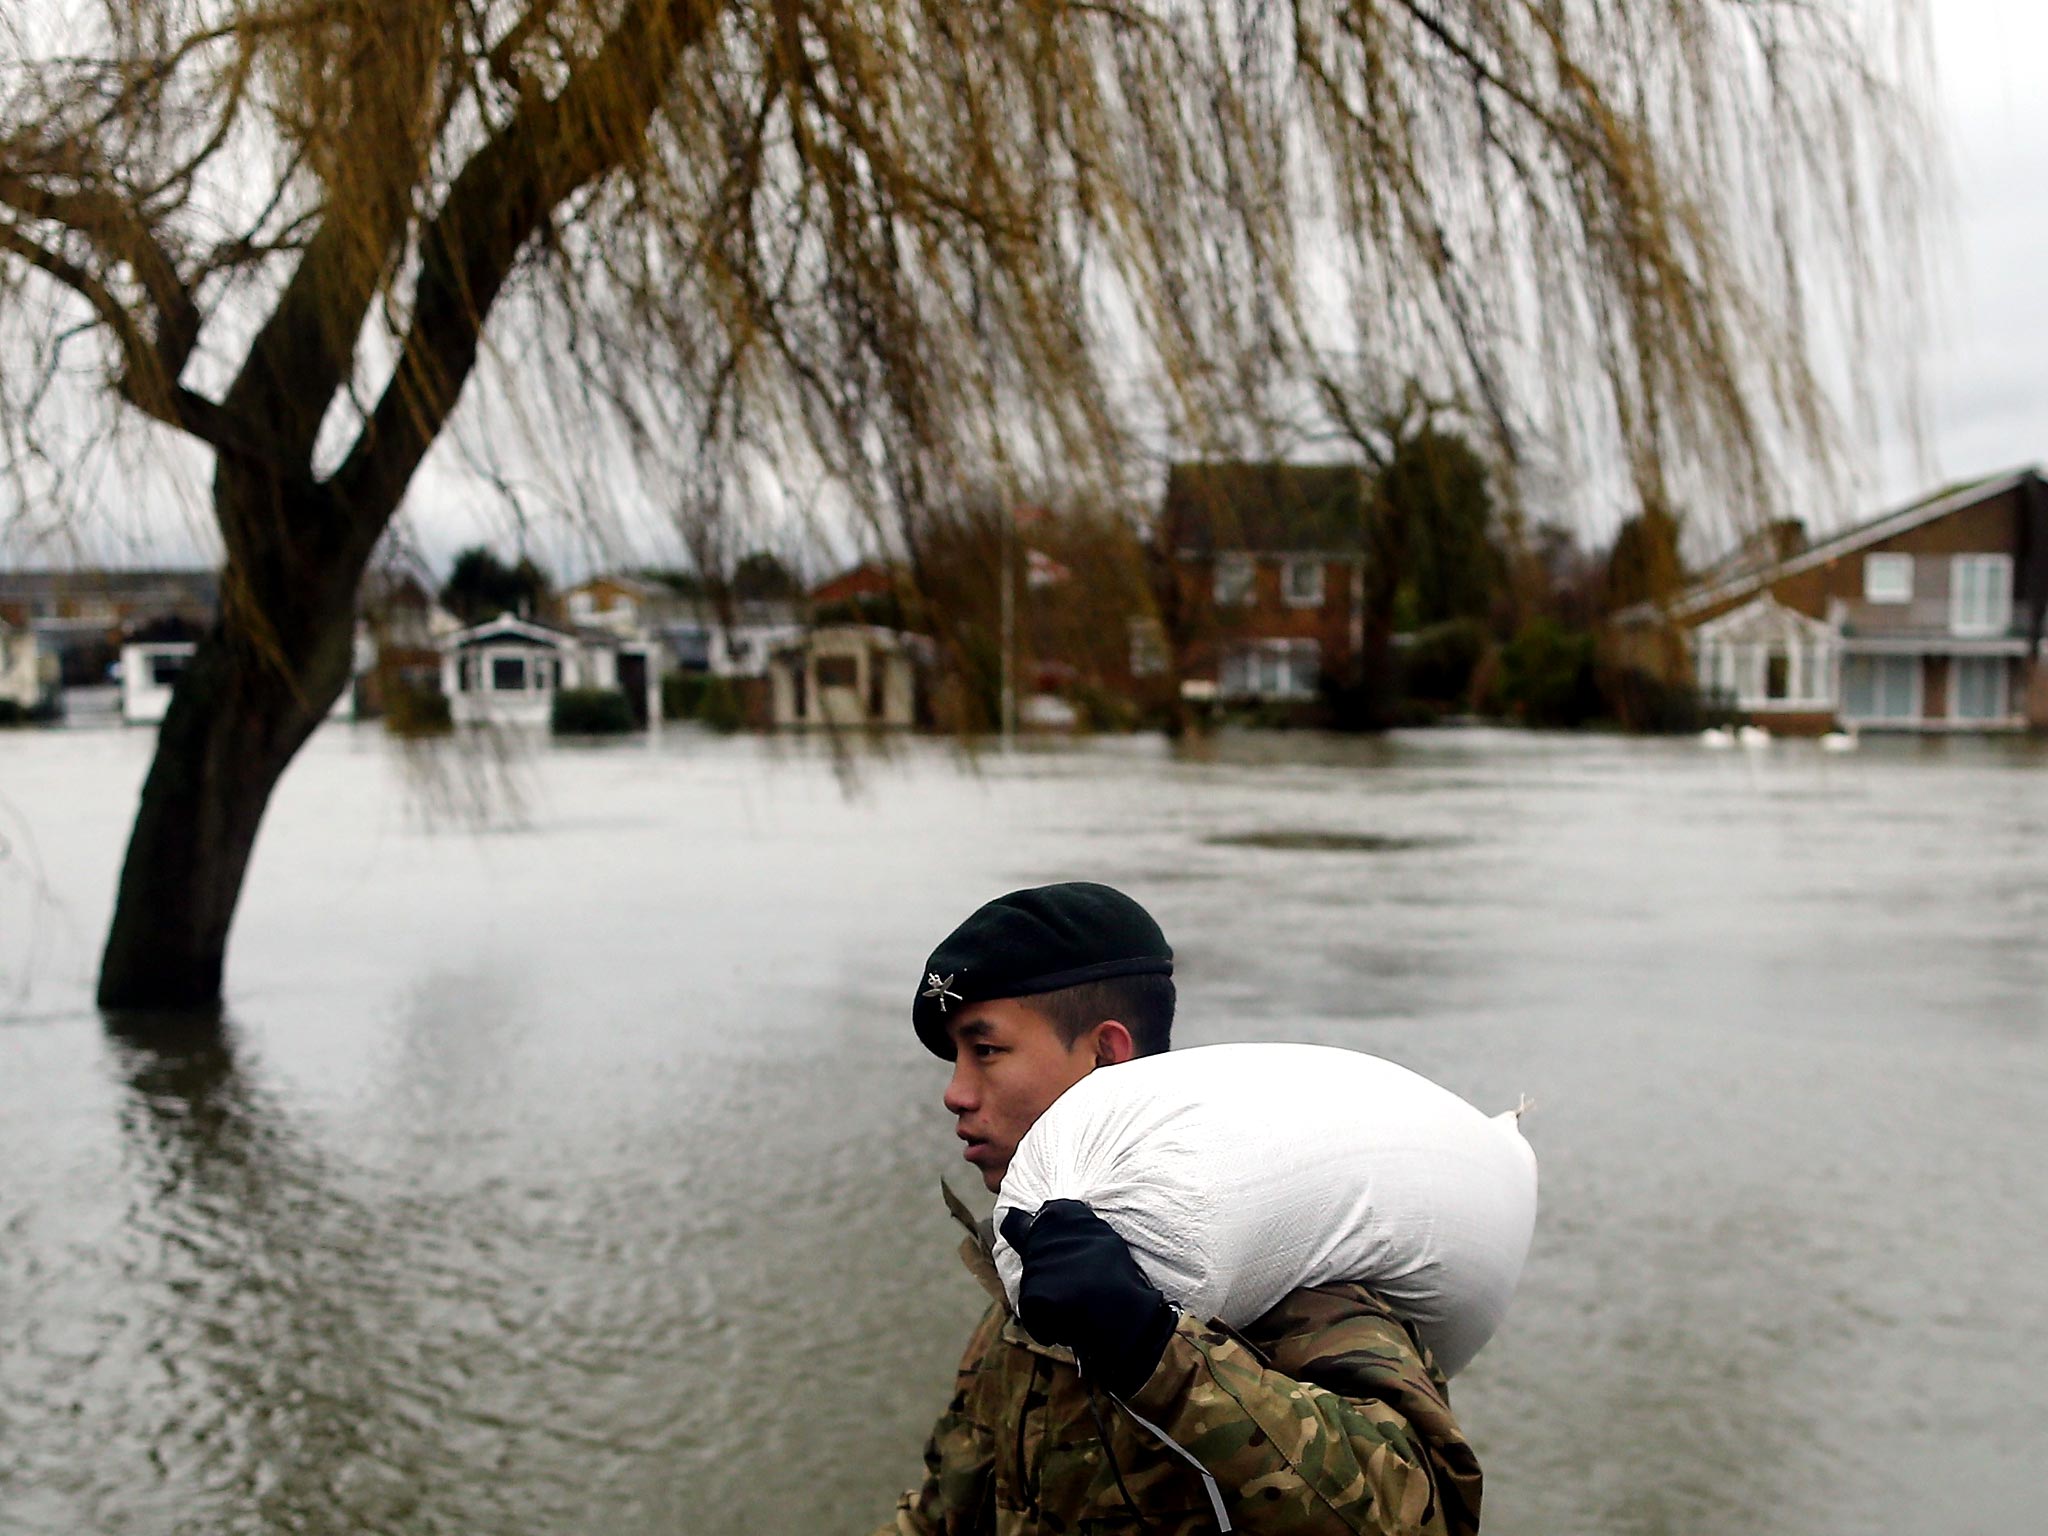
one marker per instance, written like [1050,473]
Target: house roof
[868,579]
[1875,530]
[637,586]
[39,590]
[1264,506]
[508,627]
[1764,615]
[875,634]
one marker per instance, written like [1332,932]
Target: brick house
[1265,579]
[1928,618]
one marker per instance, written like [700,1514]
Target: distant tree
[1438,488]
[761,575]
[882,240]
[1430,553]
[480,586]
[1645,563]
[1547,675]
[684,584]
[1552,575]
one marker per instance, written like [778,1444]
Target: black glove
[1082,1288]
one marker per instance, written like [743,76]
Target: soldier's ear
[1113,1043]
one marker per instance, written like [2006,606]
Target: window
[1980,594]
[1777,675]
[508,674]
[1979,688]
[1233,580]
[1811,667]
[1881,687]
[1888,578]
[838,672]
[1302,582]
[1148,648]
[691,644]
[1271,669]
[165,668]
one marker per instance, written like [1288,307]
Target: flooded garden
[566,1161]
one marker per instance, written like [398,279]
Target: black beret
[1034,941]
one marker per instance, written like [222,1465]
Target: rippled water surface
[577,1172]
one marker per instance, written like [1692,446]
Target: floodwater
[567,1163]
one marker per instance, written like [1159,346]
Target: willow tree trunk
[259,683]
[297,546]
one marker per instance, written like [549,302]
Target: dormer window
[1233,580]
[1980,594]
[1302,582]
[1888,578]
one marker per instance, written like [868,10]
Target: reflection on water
[579,1176]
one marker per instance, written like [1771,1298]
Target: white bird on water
[1716,739]
[1754,737]
[1839,741]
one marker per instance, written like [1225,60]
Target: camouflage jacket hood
[1324,1416]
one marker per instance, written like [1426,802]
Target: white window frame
[1979,594]
[1236,574]
[1270,669]
[1888,578]
[2001,696]
[1917,709]
[1290,573]
[1739,671]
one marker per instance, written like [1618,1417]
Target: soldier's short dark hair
[1142,1004]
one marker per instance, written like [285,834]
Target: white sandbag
[1237,1173]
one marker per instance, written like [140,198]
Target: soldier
[1099,1407]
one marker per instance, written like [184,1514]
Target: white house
[699,637]
[845,675]
[507,671]
[150,669]
[1932,617]
[28,673]
[1766,659]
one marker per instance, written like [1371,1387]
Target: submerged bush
[1438,663]
[681,693]
[1546,675]
[42,713]
[719,706]
[414,712]
[592,712]
[1641,701]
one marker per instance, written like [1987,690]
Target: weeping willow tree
[905,244]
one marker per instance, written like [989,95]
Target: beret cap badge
[1031,942]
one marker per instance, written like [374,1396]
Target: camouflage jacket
[1324,1416]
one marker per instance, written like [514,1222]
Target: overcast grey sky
[1985,370]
